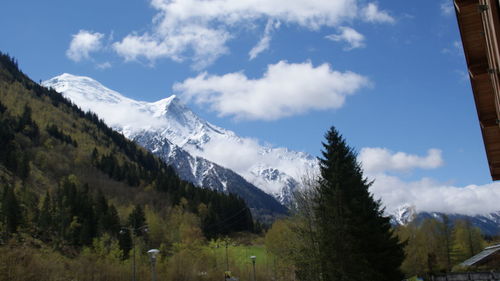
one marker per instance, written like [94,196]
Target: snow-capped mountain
[489,224]
[207,174]
[403,215]
[168,128]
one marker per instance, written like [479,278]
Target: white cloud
[308,13]
[371,13]
[248,157]
[84,43]
[425,194]
[447,8]
[375,160]
[350,36]
[285,89]
[199,29]
[205,44]
[265,40]
[431,196]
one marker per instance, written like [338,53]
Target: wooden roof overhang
[479,25]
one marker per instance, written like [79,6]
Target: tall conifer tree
[11,210]
[137,219]
[356,240]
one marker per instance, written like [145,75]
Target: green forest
[78,201]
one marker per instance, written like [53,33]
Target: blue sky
[390,75]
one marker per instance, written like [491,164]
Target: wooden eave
[479,25]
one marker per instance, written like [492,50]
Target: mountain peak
[275,170]
[67,77]
[170,115]
[83,89]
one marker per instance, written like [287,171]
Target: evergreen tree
[125,242]
[45,217]
[356,240]
[11,210]
[137,220]
[112,221]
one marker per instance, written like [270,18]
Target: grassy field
[239,261]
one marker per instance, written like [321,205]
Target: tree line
[125,161]
[438,245]
[339,232]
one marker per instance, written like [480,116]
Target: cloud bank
[205,44]
[199,30]
[84,43]
[376,160]
[426,194]
[284,90]
[431,196]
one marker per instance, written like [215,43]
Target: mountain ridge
[406,214]
[276,171]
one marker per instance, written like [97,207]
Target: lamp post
[215,247]
[227,258]
[133,231]
[152,256]
[253,262]
[227,273]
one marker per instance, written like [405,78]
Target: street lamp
[215,247]
[253,262]
[227,257]
[152,256]
[133,231]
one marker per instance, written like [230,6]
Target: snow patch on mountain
[406,213]
[403,215]
[169,123]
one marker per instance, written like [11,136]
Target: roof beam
[478,69]
[463,3]
[488,123]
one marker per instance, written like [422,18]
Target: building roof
[479,25]
[482,256]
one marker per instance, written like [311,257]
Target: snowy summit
[167,122]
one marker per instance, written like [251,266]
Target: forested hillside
[78,201]
[67,179]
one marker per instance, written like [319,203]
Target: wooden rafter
[479,23]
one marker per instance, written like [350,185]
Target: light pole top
[153,252]
[253,258]
[125,229]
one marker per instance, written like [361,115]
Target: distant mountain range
[489,224]
[192,145]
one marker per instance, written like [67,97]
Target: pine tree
[112,221]
[137,220]
[45,217]
[11,210]
[125,242]
[356,240]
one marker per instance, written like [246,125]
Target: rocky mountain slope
[171,130]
